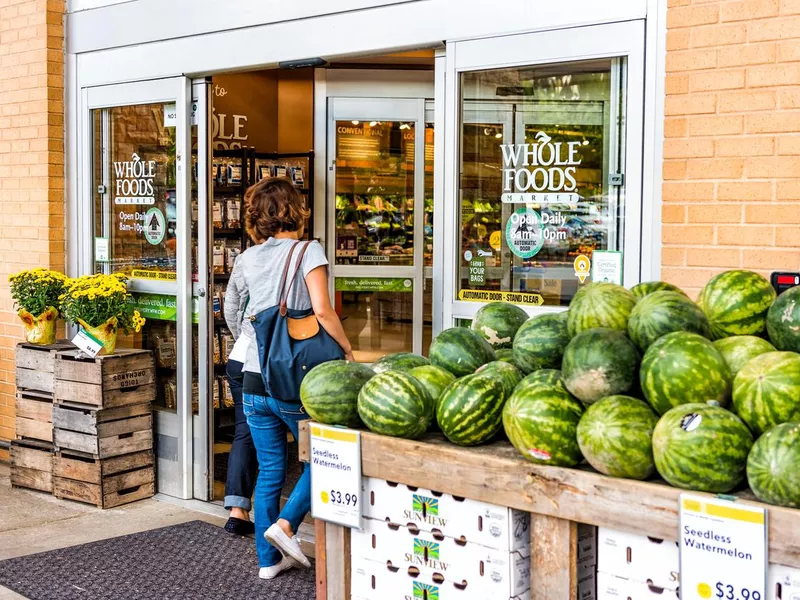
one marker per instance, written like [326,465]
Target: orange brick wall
[31,161]
[731,192]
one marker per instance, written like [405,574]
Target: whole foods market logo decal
[134,181]
[542,172]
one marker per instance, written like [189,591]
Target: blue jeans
[269,419]
[242,460]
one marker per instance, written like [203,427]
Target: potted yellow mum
[36,295]
[99,304]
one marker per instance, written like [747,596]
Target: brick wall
[732,151]
[31,161]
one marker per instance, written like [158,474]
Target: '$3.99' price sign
[336,475]
[723,549]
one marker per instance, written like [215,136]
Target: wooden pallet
[106,483]
[35,367]
[104,433]
[32,465]
[121,379]
[34,419]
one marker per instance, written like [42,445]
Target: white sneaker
[275,570]
[287,546]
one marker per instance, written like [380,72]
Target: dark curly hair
[273,205]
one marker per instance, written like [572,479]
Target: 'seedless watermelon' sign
[336,475]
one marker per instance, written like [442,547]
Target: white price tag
[101,249]
[336,475]
[723,549]
[87,343]
[607,266]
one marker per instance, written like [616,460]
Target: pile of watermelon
[637,383]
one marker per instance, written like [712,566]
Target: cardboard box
[468,520]
[610,587]
[375,581]
[440,558]
[783,583]
[638,558]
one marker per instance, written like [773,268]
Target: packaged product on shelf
[219,294]
[234,174]
[219,173]
[232,249]
[217,350]
[219,256]
[215,391]
[195,210]
[233,213]
[264,171]
[216,306]
[281,171]
[218,213]
[227,341]
[164,347]
[227,398]
[171,393]
[298,176]
[195,397]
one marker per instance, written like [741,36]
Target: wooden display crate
[106,483]
[32,465]
[124,378]
[103,433]
[34,419]
[35,368]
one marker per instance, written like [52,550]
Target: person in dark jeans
[242,460]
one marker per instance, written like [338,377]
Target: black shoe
[240,527]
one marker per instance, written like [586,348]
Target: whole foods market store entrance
[422,185]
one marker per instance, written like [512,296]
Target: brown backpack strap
[298,266]
[285,273]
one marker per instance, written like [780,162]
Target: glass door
[137,195]
[542,128]
[376,186]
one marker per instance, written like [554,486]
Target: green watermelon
[505,354]
[682,368]
[508,374]
[766,392]
[400,361]
[640,290]
[498,323]
[435,379]
[394,403]
[739,350]
[542,376]
[540,342]
[736,303]
[701,447]
[541,421]
[598,363]
[783,321]
[470,409]
[600,304]
[614,435]
[772,466]
[660,313]
[330,392]
[460,351]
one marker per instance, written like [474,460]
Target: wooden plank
[496,473]
[41,381]
[86,394]
[74,440]
[41,358]
[38,410]
[31,458]
[119,498]
[71,467]
[127,462]
[38,430]
[124,412]
[129,480]
[132,442]
[124,369]
[80,491]
[554,558]
[337,546]
[83,421]
[321,559]
[123,426]
[32,479]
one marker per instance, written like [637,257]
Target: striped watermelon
[505,354]
[740,349]
[600,304]
[470,409]
[435,379]
[400,361]
[772,466]
[508,374]
[540,342]
[640,290]
[543,376]
[783,321]
[736,303]
[394,403]
[682,368]
[660,313]
[460,351]
[498,323]
[598,363]
[330,392]
[614,435]
[766,392]
[541,421]
[701,447]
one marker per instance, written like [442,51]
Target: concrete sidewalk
[32,522]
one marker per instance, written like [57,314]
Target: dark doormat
[194,560]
